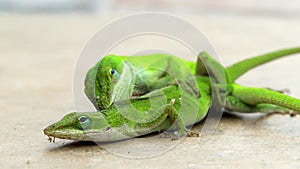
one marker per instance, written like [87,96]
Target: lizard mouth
[84,135]
[70,134]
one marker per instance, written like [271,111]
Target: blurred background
[40,41]
[254,7]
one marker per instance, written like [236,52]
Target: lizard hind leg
[181,129]
[235,104]
[255,96]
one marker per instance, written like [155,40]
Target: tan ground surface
[38,55]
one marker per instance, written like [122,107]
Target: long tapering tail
[239,68]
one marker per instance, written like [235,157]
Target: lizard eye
[84,122]
[112,71]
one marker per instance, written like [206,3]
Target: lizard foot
[291,113]
[176,134]
[190,133]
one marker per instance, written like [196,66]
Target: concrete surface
[38,54]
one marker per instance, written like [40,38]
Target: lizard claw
[190,133]
[291,113]
[176,135]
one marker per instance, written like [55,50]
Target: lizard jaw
[85,135]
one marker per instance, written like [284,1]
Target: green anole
[109,124]
[109,79]
[113,75]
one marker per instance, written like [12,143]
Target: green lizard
[105,83]
[109,124]
[113,75]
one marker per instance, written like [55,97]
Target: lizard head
[101,79]
[75,125]
[92,126]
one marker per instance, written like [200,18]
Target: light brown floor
[38,55]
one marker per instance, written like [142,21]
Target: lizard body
[109,124]
[105,81]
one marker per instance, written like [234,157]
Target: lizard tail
[239,68]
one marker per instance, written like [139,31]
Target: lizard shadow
[71,145]
[245,117]
[234,119]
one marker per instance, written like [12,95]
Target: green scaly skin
[239,98]
[111,125]
[149,73]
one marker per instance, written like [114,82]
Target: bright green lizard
[113,75]
[109,124]
[105,83]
